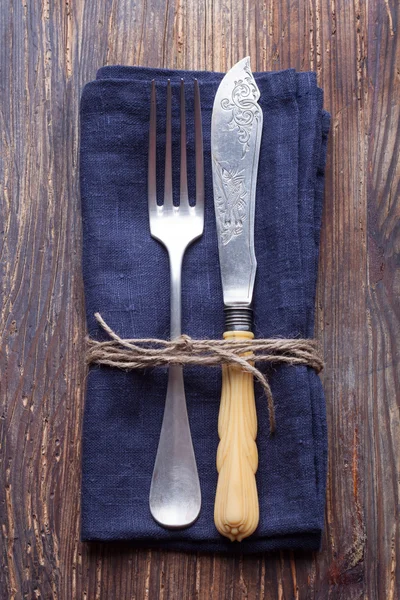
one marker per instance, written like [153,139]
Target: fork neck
[175,266]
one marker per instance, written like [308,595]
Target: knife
[236,129]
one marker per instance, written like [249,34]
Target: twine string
[144,353]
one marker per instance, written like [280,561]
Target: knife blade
[236,129]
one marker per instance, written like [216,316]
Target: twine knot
[184,343]
[150,352]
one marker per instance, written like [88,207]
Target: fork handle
[236,511]
[175,497]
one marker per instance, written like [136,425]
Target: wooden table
[49,50]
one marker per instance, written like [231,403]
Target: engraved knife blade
[236,128]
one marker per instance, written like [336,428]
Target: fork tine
[199,149]
[184,198]
[151,175]
[168,196]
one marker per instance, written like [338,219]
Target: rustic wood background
[49,50]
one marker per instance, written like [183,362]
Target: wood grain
[48,51]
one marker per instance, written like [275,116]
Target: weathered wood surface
[48,51]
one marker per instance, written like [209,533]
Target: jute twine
[150,352]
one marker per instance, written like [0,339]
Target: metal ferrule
[238,318]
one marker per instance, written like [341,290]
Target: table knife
[236,129]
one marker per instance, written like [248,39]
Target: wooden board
[48,51]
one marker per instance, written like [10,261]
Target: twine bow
[151,352]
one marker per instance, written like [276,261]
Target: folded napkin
[126,279]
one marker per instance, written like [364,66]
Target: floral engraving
[244,107]
[231,201]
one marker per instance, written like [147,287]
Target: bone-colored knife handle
[236,511]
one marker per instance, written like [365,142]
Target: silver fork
[175,496]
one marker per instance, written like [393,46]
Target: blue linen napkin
[126,279]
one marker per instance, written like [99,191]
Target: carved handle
[236,511]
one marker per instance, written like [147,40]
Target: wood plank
[49,51]
[382,301]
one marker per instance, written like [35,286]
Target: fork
[175,497]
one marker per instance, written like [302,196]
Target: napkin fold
[126,279]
